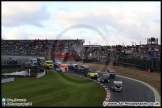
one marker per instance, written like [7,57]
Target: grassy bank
[56,89]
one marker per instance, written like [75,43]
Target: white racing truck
[72,65]
[117,86]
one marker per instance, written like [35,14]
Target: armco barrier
[7,80]
[41,74]
[107,97]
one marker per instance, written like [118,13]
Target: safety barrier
[7,80]
[22,73]
[41,74]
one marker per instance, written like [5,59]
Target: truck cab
[62,68]
[111,73]
[117,86]
[103,77]
[33,61]
[72,65]
[48,64]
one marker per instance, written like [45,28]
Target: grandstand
[53,48]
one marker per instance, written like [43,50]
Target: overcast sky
[102,23]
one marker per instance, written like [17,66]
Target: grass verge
[55,90]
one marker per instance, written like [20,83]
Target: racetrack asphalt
[133,91]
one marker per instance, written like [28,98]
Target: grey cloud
[131,25]
[26,18]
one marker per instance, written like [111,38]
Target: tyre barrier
[7,80]
[107,97]
[10,66]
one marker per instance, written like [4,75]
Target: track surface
[132,91]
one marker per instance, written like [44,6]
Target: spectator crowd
[37,47]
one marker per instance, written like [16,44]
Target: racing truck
[117,86]
[11,60]
[56,63]
[83,69]
[111,73]
[34,62]
[91,74]
[48,64]
[72,65]
[62,68]
[103,77]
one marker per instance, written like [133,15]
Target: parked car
[111,73]
[11,60]
[103,77]
[117,86]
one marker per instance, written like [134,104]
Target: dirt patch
[153,78]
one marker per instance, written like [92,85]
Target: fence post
[146,65]
[127,62]
[122,60]
[141,63]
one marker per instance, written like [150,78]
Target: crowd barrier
[7,80]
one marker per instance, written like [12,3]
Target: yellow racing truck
[48,64]
[92,74]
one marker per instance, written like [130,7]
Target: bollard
[148,70]
[37,76]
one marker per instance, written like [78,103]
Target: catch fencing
[7,80]
[154,65]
